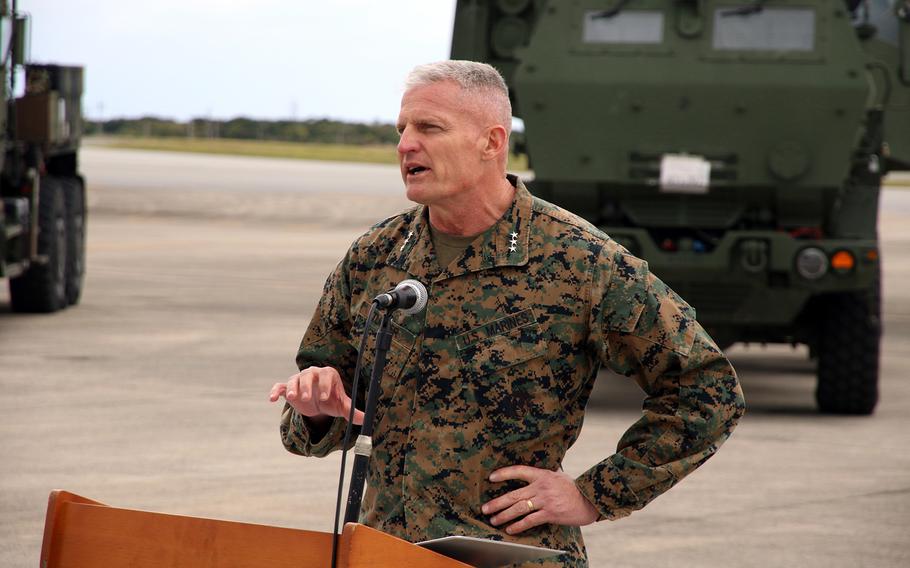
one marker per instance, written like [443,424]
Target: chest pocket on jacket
[510,377]
[396,359]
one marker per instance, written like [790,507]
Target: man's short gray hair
[474,79]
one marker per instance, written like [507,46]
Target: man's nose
[407,142]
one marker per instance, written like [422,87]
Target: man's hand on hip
[549,497]
[316,392]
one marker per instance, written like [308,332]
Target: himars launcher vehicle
[42,225]
[737,145]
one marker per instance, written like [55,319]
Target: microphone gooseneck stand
[410,296]
[364,444]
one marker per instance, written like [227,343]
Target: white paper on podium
[485,553]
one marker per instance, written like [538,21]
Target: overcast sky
[343,59]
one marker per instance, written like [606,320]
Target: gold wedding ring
[530,506]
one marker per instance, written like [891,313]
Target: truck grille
[645,166]
[710,299]
[718,211]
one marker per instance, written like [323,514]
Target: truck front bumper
[750,278]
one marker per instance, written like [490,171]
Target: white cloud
[264,58]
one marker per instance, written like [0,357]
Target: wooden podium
[81,533]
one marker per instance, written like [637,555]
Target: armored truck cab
[737,146]
[42,224]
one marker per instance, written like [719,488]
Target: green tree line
[315,130]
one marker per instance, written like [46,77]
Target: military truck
[736,145]
[42,226]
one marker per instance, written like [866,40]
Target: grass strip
[381,154]
[260,148]
[900,180]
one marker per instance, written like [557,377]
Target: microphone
[410,296]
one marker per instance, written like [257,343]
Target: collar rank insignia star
[513,242]
[406,239]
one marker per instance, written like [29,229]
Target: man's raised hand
[316,392]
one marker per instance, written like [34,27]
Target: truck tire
[848,353]
[75,238]
[42,288]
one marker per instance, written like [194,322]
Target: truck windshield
[879,13]
[771,29]
[630,26]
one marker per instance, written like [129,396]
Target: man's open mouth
[417,170]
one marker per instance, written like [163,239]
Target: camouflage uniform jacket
[498,368]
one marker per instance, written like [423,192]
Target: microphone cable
[349,429]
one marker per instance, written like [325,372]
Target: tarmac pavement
[152,393]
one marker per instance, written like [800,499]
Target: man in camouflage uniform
[485,389]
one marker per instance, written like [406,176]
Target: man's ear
[496,142]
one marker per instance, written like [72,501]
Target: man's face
[441,143]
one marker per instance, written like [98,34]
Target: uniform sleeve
[326,343]
[642,329]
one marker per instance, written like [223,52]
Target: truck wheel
[75,239]
[43,286]
[848,353]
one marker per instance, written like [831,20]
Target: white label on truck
[680,173]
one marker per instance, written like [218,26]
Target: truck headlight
[812,263]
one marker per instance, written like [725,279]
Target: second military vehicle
[42,225]
[737,145]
